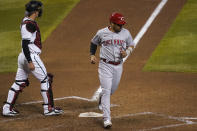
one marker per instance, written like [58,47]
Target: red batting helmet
[117,18]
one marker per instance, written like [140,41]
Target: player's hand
[123,53]
[31,66]
[93,59]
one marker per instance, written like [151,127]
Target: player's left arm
[129,49]
[130,44]
[126,52]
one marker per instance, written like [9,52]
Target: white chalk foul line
[149,21]
[136,114]
[161,127]
[147,24]
[181,119]
[140,34]
[57,99]
[189,118]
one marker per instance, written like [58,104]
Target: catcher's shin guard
[47,94]
[16,88]
[50,91]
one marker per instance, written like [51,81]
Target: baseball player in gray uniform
[30,62]
[115,43]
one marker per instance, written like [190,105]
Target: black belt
[111,62]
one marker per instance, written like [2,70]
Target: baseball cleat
[107,124]
[54,111]
[57,109]
[13,112]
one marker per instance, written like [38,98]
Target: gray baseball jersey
[112,43]
[109,75]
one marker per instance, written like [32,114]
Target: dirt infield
[145,100]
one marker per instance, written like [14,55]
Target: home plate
[90,114]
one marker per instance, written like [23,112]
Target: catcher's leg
[47,94]
[16,88]
[46,87]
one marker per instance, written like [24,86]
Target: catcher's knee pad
[45,84]
[21,84]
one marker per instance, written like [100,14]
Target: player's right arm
[26,32]
[93,47]
[27,53]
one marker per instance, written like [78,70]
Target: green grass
[11,14]
[177,52]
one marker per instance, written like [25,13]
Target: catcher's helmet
[117,18]
[33,6]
